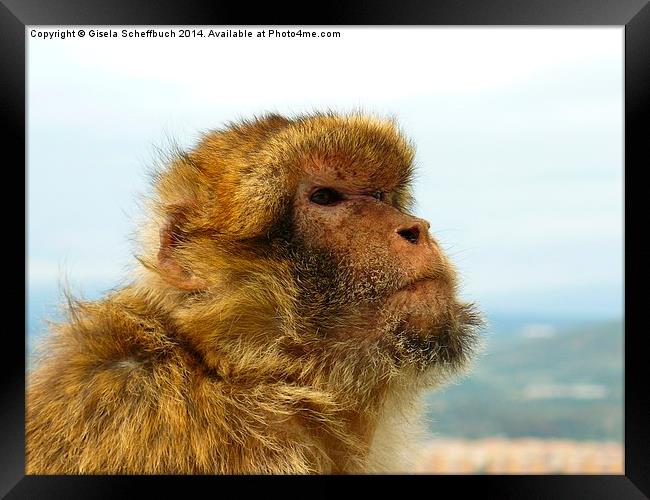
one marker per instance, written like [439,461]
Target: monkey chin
[429,329]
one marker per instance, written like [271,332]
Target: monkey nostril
[412,235]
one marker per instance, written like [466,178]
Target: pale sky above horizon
[519,137]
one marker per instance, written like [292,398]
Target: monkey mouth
[421,297]
[440,332]
[424,286]
[417,283]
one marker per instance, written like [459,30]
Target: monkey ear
[170,269]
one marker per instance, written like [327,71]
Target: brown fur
[261,334]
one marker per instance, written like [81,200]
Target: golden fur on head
[253,168]
[230,372]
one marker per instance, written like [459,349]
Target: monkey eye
[325,196]
[378,195]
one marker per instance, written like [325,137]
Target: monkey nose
[414,232]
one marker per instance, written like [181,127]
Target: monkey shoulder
[97,390]
[121,392]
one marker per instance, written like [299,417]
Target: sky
[518,132]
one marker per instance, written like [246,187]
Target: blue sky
[519,136]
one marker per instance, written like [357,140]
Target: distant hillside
[540,382]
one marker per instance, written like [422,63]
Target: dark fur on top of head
[248,371]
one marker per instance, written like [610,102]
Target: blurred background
[519,137]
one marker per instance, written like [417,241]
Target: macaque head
[326,199]
[362,255]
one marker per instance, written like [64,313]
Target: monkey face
[377,250]
[361,256]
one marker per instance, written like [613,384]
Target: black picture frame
[633,14]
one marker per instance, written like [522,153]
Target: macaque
[286,314]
